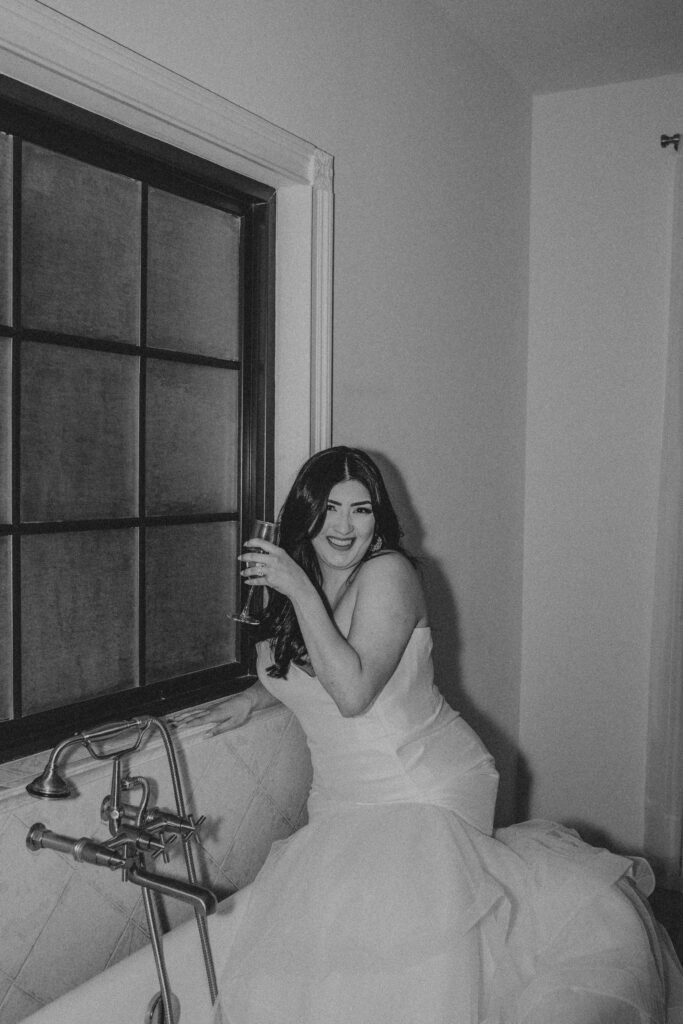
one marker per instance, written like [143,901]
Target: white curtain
[664,780]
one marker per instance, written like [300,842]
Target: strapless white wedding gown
[396,905]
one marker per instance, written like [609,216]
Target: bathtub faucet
[87,851]
[135,833]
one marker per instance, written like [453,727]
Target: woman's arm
[382,607]
[387,604]
[228,712]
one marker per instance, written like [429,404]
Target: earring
[376,545]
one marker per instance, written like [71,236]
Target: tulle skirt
[404,914]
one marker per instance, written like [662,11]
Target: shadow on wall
[444,618]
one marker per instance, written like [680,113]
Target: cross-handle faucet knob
[139,839]
[165,821]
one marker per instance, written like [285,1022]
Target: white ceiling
[549,45]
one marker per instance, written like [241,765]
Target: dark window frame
[47,121]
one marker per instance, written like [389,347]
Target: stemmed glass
[265,531]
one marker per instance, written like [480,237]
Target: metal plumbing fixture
[87,851]
[52,785]
[135,833]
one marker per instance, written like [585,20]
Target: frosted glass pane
[5,430]
[193,277]
[5,629]
[80,248]
[79,424]
[79,616]
[191,591]
[192,438]
[5,228]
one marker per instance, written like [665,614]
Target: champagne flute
[266,531]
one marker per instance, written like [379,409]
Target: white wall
[431,145]
[601,199]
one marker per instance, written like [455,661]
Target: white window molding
[48,51]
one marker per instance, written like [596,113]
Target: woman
[394,904]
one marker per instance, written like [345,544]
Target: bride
[396,904]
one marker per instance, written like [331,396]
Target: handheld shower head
[50,784]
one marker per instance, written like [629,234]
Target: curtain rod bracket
[671,140]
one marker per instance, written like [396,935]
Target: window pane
[79,616]
[193,277]
[79,426]
[5,629]
[5,430]
[191,588]
[192,438]
[80,248]
[5,228]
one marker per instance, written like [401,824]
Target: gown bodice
[408,746]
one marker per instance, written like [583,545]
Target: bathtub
[123,993]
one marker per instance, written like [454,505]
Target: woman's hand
[228,713]
[271,566]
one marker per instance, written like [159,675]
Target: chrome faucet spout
[201,899]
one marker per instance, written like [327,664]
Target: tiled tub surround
[62,922]
[125,991]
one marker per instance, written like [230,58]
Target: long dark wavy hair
[301,519]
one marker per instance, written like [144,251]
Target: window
[136,408]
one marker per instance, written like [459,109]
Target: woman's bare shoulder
[388,564]
[385,584]
[390,570]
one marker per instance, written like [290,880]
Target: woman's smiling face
[348,528]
